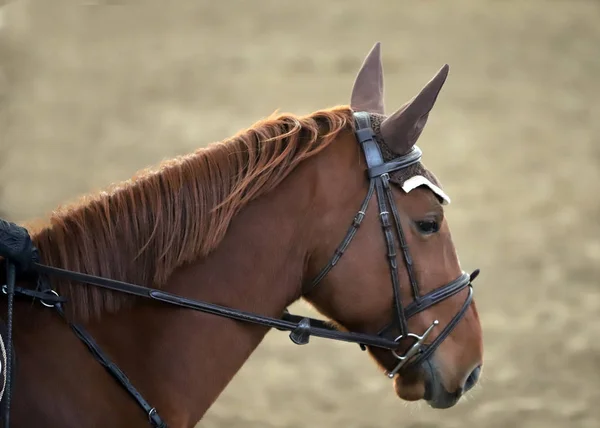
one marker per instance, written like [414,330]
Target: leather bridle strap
[378,172]
[428,349]
[384,217]
[402,162]
[401,237]
[430,299]
[436,296]
[442,294]
[300,331]
[153,416]
[339,251]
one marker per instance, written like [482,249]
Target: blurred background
[91,91]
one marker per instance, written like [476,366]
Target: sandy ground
[91,91]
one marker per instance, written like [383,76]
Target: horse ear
[367,93]
[401,130]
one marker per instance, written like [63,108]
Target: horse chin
[410,387]
[425,384]
[436,395]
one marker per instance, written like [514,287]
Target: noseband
[379,183]
[18,251]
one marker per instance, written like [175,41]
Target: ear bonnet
[399,132]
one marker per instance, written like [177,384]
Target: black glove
[16,245]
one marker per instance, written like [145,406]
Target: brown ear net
[402,128]
[401,176]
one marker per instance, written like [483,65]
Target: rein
[20,255]
[300,328]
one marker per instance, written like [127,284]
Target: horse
[173,278]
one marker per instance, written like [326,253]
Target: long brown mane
[142,229]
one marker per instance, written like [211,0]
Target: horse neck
[189,357]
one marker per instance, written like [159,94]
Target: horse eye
[427,227]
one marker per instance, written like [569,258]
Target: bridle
[21,256]
[379,183]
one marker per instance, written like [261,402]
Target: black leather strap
[408,261]
[429,349]
[432,298]
[47,297]
[402,162]
[366,138]
[210,308]
[347,239]
[384,217]
[113,369]
[378,172]
[436,296]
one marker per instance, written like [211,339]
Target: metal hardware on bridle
[414,349]
[17,249]
[379,184]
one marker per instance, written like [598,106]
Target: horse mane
[142,229]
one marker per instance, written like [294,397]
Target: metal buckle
[49,305]
[151,413]
[414,350]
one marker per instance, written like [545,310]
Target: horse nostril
[472,379]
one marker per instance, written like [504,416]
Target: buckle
[49,305]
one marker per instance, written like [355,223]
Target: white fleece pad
[419,180]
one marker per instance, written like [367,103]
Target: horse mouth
[436,395]
[411,385]
[424,383]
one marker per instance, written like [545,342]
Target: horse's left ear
[367,93]
[401,130]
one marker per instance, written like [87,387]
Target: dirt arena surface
[91,91]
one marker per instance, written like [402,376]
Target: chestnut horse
[334,207]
